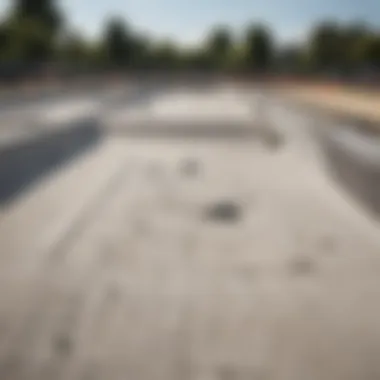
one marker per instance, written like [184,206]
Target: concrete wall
[352,154]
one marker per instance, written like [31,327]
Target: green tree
[3,40]
[165,55]
[28,41]
[326,48]
[117,43]
[140,51]
[45,12]
[197,59]
[30,29]
[354,41]
[291,59]
[259,48]
[371,52]
[75,50]
[219,46]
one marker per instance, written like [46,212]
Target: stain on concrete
[272,138]
[302,266]
[62,345]
[190,167]
[224,212]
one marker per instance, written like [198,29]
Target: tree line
[35,33]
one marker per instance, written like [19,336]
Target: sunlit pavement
[200,236]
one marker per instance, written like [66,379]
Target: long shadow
[24,163]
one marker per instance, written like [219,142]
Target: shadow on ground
[24,163]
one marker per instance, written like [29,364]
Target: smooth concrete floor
[206,257]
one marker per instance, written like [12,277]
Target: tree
[259,48]
[371,52]
[141,51]
[75,50]
[291,59]
[30,30]
[44,12]
[117,43]
[166,55]
[3,40]
[28,41]
[354,39]
[326,49]
[219,46]
[197,59]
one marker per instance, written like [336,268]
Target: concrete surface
[194,255]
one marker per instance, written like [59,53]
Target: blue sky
[187,20]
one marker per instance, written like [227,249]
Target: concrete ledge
[352,154]
[350,145]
